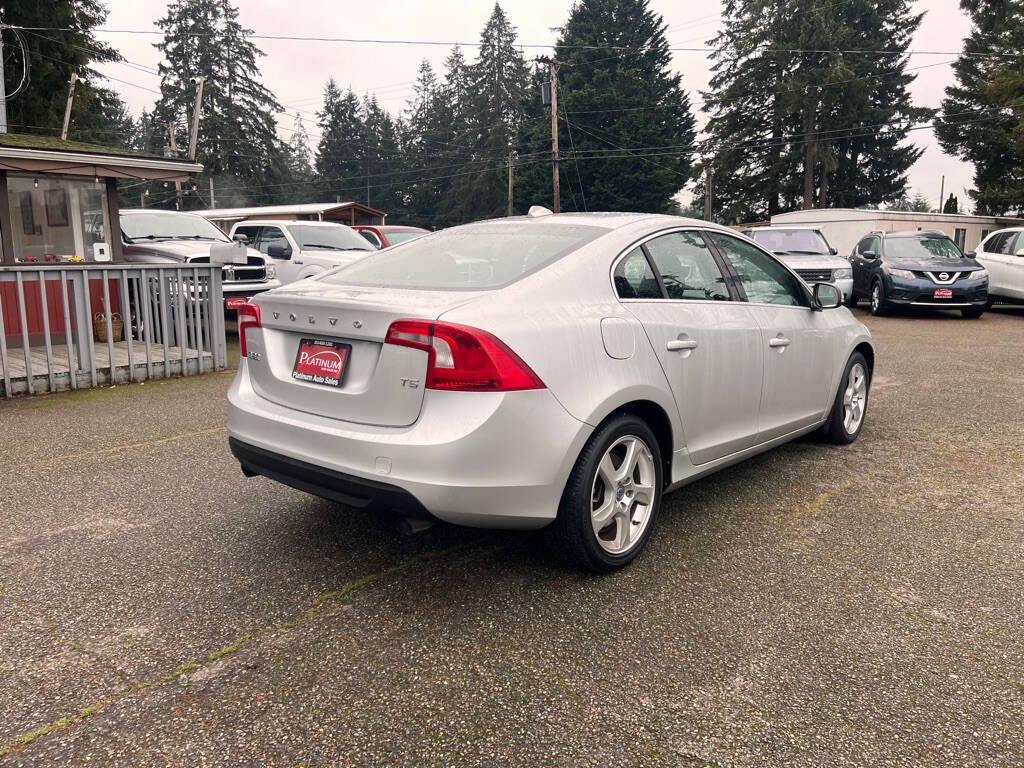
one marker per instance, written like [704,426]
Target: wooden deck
[59,378]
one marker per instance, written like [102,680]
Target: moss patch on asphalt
[227,650]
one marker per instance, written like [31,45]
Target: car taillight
[462,358]
[248,317]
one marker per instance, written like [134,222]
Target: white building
[844,227]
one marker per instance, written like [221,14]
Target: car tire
[600,489]
[972,312]
[879,305]
[850,407]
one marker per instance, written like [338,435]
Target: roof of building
[300,209]
[30,152]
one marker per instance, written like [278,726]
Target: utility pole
[510,181]
[194,133]
[550,95]
[942,194]
[554,134]
[67,108]
[174,149]
[708,176]
[3,90]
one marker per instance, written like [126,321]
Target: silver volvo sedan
[559,371]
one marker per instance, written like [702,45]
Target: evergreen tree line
[808,106]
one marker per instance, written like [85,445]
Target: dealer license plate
[321,361]
[943,293]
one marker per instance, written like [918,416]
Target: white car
[806,250]
[301,249]
[1002,254]
[599,361]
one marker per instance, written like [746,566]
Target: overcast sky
[297,70]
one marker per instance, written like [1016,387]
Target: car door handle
[677,344]
[778,341]
[296,261]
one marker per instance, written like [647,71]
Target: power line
[521,45]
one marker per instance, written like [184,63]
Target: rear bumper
[493,460]
[354,491]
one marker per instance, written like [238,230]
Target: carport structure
[71,312]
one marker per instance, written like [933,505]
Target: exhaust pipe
[410,526]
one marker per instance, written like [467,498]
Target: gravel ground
[812,606]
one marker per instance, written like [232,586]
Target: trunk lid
[382,384]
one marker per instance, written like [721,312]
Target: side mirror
[1020,252]
[833,251]
[827,296]
[240,238]
[970,254]
[870,255]
[278,251]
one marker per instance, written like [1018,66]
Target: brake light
[464,359]
[248,317]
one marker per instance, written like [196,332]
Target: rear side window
[471,258]
[1001,242]
[634,278]
[687,268]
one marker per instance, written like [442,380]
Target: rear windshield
[791,241]
[335,237]
[478,257]
[921,248]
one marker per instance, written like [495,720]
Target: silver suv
[806,251]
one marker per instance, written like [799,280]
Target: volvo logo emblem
[332,320]
[943,275]
[357,324]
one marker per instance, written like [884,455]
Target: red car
[387,234]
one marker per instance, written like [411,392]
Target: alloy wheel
[876,297]
[623,494]
[855,398]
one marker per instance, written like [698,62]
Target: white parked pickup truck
[301,249]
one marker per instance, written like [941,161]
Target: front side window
[58,219]
[473,257]
[371,237]
[634,278]
[687,268]
[868,244]
[762,277]
[271,236]
[1001,242]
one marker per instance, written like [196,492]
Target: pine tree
[497,83]
[423,134]
[952,204]
[794,126]
[237,144]
[340,153]
[382,160]
[983,113]
[626,131]
[66,46]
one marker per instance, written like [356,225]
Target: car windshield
[921,248]
[335,237]
[791,240]
[478,257]
[402,236]
[164,225]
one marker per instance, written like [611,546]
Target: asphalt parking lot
[813,606]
